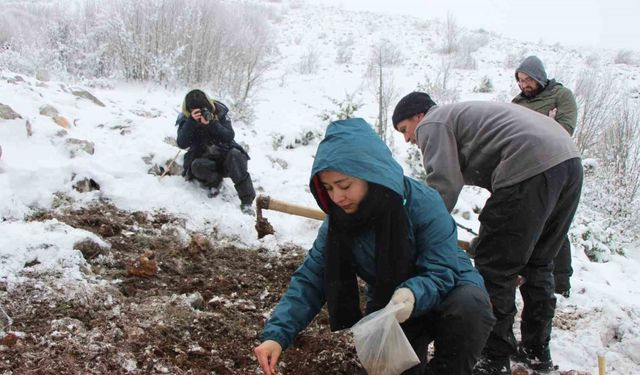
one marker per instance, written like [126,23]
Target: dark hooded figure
[204,128]
[396,235]
[550,98]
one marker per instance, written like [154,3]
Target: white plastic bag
[381,344]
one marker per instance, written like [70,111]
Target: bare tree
[596,95]
[439,87]
[309,61]
[452,34]
[620,147]
[253,44]
[379,71]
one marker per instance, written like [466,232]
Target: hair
[197,99]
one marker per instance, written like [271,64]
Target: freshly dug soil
[159,300]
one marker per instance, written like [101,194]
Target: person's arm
[437,251]
[567,110]
[440,159]
[186,129]
[303,299]
[221,130]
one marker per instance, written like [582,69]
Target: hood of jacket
[352,147]
[533,67]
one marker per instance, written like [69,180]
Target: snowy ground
[38,172]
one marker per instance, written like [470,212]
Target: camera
[206,114]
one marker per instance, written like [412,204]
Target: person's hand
[268,354]
[196,114]
[403,295]
[473,244]
[552,113]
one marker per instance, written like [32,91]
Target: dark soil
[160,300]
[200,311]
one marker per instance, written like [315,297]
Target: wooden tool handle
[289,208]
[269,203]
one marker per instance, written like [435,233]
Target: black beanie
[412,104]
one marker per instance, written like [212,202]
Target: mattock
[263,227]
[265,202]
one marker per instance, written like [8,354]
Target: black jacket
[196,137]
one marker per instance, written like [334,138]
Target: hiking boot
[538,359]
[492,366]
[247,209]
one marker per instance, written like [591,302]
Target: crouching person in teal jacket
[394,233]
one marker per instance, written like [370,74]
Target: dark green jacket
[553,96]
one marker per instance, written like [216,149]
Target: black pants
[233,164]
[459,328]
[562,270]
[522,229]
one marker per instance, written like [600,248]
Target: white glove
[403,295]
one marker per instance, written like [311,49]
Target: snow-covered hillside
[116,144]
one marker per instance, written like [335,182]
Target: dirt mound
[200,311]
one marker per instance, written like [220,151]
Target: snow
[603,312]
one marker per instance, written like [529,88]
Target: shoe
[538,359]
[213,192]
[247,209]
[493,366]
[564,293]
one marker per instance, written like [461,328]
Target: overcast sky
[600,23]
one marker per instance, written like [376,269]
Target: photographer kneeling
[203,128]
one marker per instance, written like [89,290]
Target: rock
[62,121]
[8,113]
[279,162]
[87,95]
[148,159]
[43,75]
[9,340]
[147,113]
[48,110]
[89,249]
[86,185]
[195,300]
[199,244]
[76,145]
[144,266]
[134,334]
[174,168]
[171,141]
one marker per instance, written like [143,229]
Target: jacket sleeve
[303,299]
[221,130]
[567,114]
[437,254]
[440,159]
[186,129]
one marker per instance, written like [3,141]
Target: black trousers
[562,270]
[233,164]
[522,228]
[458,327]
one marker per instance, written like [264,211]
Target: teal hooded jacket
[351,147]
